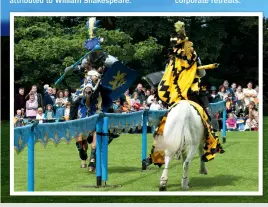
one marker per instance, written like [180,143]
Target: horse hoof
[185,187]
[83,166]
[159,165]
[163,188]
[91,169]
[204,172]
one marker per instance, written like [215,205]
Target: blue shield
[117,80]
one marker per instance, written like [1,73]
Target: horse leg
[92,159]
[164,177]
[186,163]
[203,169]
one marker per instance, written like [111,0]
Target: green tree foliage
[44,46]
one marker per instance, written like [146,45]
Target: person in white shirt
[249,94]
[40,115]
[155,105]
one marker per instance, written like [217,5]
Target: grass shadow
[204,183]
[123,169]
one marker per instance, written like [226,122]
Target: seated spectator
[214,96]
[67,110]
[31,107]
[125,108]
[256,100]
[116,106]
[22,112]
[135,102]
[40,115]
[252,116]
[18,119]
[144,106]
[49,113]
[140,93]
[155,105]
[231,123]
[229,103]
[222,92]
[147,94]
[249,94]
[150,99]
[241,122]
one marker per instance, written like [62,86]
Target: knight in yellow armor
[181,81]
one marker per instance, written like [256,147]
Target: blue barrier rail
[30,134]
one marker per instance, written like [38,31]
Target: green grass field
[58,168]
[70,168]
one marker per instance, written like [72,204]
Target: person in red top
[231,123]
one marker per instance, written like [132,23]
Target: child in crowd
[49,114]
[40,115]
[67,111]
[18,119]
[231,123]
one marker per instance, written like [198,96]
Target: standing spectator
[228,89]
[59,105]
[20,100]
[135,102]
[214,96]
[46,86]
[249,93]
[31,107]
[49,98]
[233,87]
[66,96]
[231,123]
[54,92]
[140,92]
[240,98]
[38,96]
[222,92]
[147,94]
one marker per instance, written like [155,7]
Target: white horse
[183,129]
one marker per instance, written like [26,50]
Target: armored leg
[82,147]
[92,159]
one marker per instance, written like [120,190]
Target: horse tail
[177,129]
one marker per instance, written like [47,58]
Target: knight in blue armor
[88,99]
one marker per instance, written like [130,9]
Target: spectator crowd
[51,104]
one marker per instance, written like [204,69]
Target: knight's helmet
[180,32]
[96,57]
